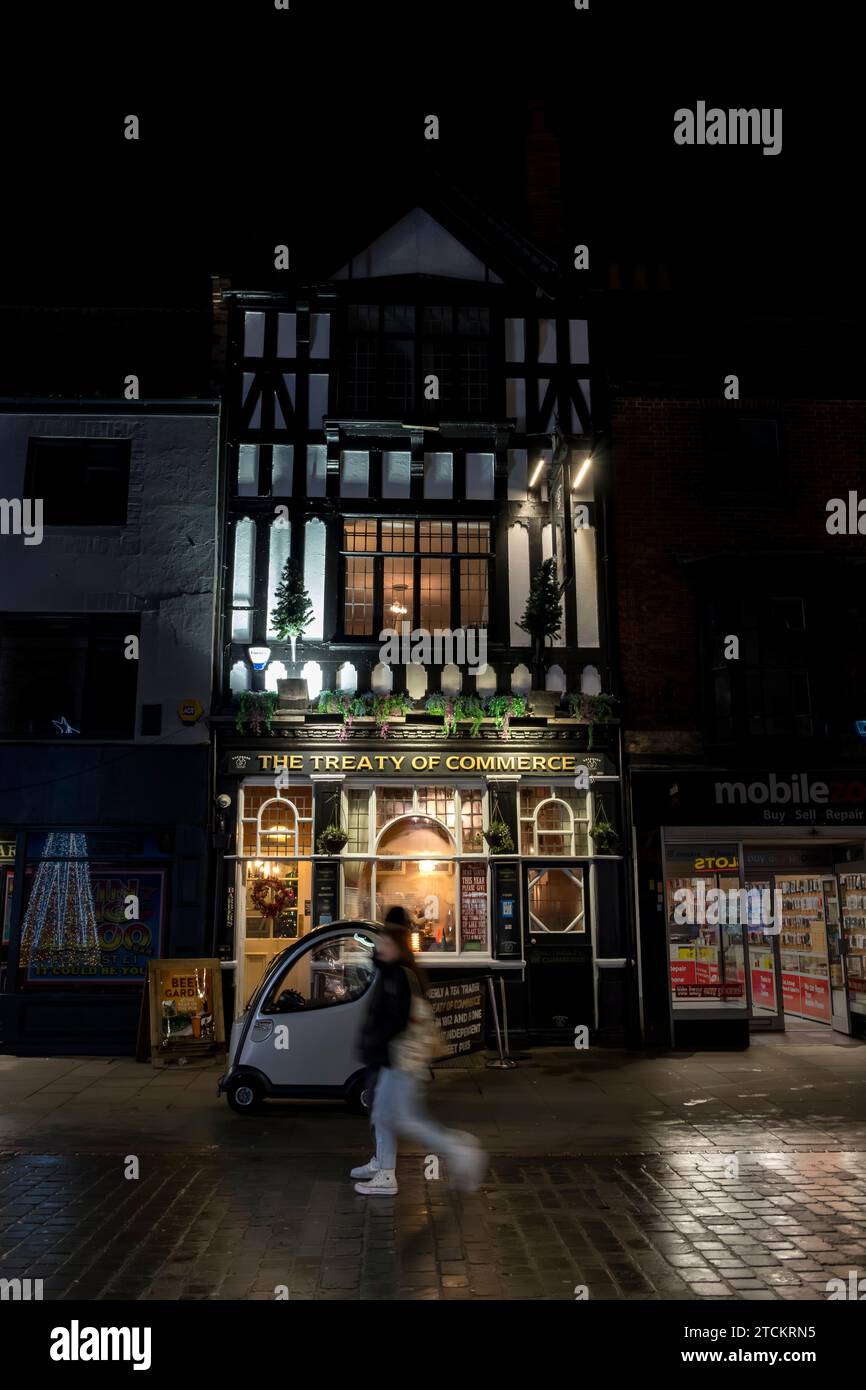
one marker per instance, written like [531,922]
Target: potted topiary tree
[293,608]
[542,617]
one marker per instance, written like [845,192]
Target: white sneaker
[366,1170]
[382,1184]
[469,1165]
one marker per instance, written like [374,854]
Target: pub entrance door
[557,950]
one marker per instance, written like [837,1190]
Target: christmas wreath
[272,898]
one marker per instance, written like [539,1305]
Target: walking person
[398,1039]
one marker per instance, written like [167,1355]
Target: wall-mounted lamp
[537,472]
[259,656]
[582,472]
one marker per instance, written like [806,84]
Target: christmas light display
[59,929]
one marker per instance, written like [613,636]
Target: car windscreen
[336,969]
[264,982]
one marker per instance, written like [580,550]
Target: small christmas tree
[293,608]
[542,617]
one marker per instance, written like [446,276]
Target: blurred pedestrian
[397,1039]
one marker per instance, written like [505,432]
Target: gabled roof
[417,245]
[445,233]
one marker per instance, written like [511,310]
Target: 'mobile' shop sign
[748,798]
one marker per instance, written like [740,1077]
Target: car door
[308,1019]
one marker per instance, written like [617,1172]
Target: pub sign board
[439,761]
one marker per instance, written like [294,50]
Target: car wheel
[358,1097]
[245,1095]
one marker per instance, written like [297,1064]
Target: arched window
[521,680]
[424,883]
[275,672]
[347,678]
[416,681]
[451,682]
[382,679]
[277,828]
[311,672]
[553,821]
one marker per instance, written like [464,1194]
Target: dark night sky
[254,133]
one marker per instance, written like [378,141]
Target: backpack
[413,1050]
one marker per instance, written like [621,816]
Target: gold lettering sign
[419,762]
[7,850]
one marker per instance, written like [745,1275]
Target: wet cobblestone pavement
[665,1227]
[737,1176]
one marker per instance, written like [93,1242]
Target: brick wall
[661,513]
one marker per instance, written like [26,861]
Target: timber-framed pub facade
[414,431]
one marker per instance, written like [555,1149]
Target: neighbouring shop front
[751,893]
[86,905]
[415,812]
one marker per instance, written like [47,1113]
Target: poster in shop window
[185,1007]
[90,925]
[473,907]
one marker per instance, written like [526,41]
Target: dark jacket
[388,1014]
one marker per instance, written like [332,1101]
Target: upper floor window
[82,482]
[431,574]
[65,676]
[766,691]
[392,351]
[742,459]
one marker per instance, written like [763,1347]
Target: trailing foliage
[385,707]
[591,710]
[471,707]
[382,708]
[504,708]
[256,711]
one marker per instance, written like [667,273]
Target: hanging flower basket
[331,840]
[256,711]
[604,837]
[498,837]
[591,710]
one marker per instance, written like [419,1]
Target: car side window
[336,971]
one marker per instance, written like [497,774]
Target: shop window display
[413,863]
[852,887]
[806,910]
[426,887]
[707,955]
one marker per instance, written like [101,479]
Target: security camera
[224,801]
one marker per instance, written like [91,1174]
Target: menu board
[473,907]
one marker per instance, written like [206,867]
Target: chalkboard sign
[326,892]
[458,1006]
